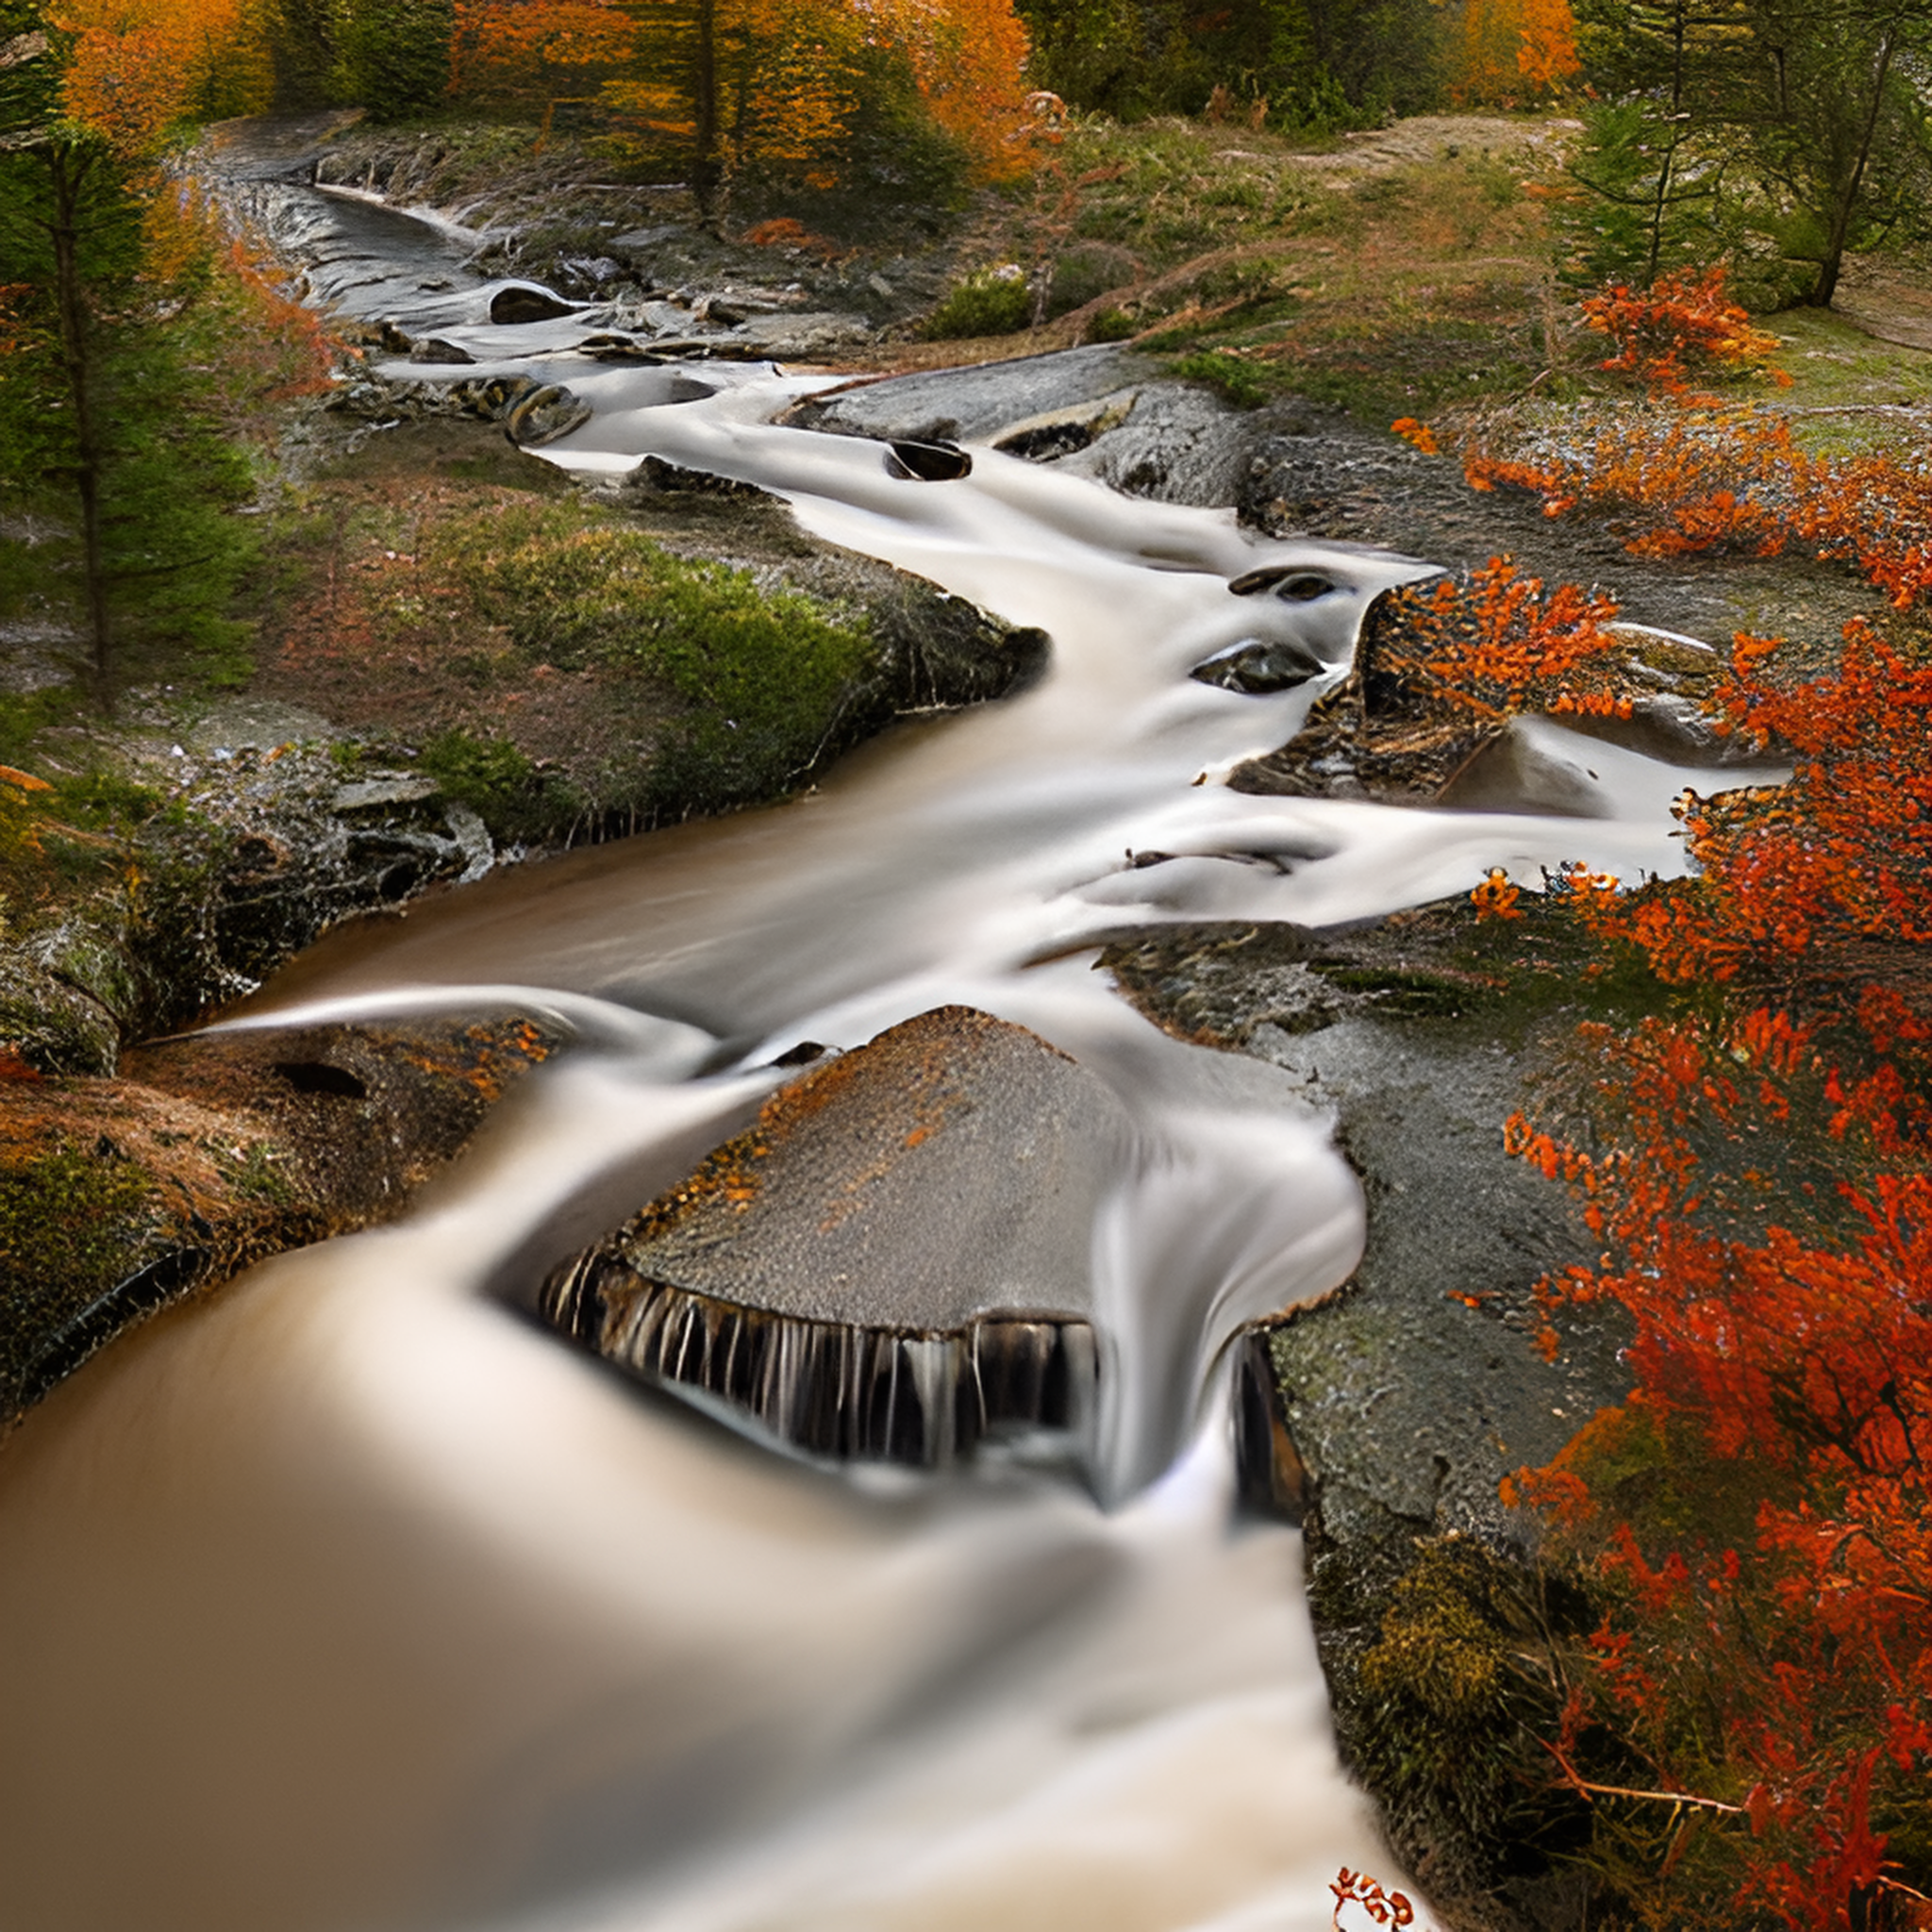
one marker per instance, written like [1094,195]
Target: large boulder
[892,1264]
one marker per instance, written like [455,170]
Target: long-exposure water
[351,1599]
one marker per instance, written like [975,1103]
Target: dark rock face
[893,1265]
[517,304]
[929,462]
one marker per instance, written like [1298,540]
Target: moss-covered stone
[208,1154]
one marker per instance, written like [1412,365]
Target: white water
[350,1601]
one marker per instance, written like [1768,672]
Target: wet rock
[1291,583]
[1178,445]
[368,794]
[119,1196]
[891,1265]
[974,405]
[492,397]
[654,472]
[434,349]
[929,462]
[1260,666]
[797,338]
[639,239]
[396,341]
[546,415]
[521,303]
[1054,433]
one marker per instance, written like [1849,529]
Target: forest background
[1713,1694]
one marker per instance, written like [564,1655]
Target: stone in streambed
[434,349]
[936,461]
[544,416]
[1260,666]
[893,1265]
[522,302]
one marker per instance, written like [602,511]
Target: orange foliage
[1781,1672]
[1843,853]
[1496,897]
[138,66]
[1709,479]
[513,49]
[1503,50]
[1681,317]
[969,57]
[1501,641]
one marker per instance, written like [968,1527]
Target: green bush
[496,779]
[989,302]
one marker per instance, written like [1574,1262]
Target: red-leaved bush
[1756,1522]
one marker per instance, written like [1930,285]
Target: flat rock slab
[893,1263]
[976,405]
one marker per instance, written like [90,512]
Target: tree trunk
[68,172]
[707,171]
[1846,201]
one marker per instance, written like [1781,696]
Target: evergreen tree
[114,480]
[391,57]
[1800,120]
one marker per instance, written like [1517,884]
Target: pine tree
[105,458]
[1800,120]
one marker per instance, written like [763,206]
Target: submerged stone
[520,304]
[893,1265]
[930,462]
[1259,666]
[546,415]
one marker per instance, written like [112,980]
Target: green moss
[499,782]
[737,686]
[73,1222]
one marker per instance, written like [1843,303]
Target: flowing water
[353,1600]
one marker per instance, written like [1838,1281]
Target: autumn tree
[1505,51]
[908,96]
[535,53]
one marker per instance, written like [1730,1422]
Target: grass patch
[1236,379]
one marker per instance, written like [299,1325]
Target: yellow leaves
[969,57]
[504,49]
[138,66]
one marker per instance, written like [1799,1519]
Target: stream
[352,1599]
